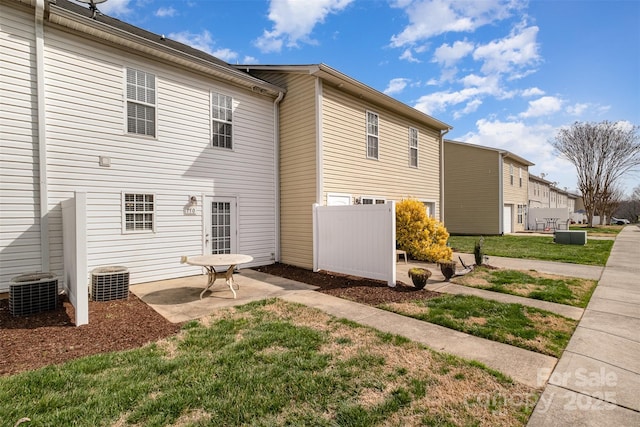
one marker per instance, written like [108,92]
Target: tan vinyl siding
[471,190]
[514,194]
[19,179]
[346,166]
[297,168]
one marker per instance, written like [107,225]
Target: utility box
[570,237]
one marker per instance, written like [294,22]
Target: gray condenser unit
[109,283]
[33,293]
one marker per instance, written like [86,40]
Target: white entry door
[220,225]
[507,219]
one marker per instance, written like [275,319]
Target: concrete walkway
[597,380]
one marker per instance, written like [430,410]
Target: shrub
[423,238]
[478,251]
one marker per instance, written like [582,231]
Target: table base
[213,275]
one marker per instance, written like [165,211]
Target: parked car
[619,221]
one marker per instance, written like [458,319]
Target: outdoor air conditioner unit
[33,293]
[109,283]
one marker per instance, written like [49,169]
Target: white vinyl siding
[413,147]
[19,176]
[221,120]
[141,102]
[372,135]
[174,166]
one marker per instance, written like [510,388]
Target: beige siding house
[342,142]
[485,190]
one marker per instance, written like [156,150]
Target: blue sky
[504,73]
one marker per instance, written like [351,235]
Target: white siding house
[175,150]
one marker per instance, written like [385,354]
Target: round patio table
[210,262]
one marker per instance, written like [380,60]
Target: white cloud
[293,22]
[250,60]
[543,107]
[205,43]
[577,109]
[226,55]
[448,55]
[476,87]
[532,91]
[166,11]
[428,18]
[471,107]
[115,7]
[407,55]
[511,54]
[396,86]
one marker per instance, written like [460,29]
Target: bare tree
[630,208]
[608,201]
[602,153]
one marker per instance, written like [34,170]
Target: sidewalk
[597,379]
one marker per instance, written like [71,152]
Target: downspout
[319,145]
[42,140]
[276,144]
[442,134]
[501,194]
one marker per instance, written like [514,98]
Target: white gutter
[501,193]
[276,143]
[442,134]
[42,139]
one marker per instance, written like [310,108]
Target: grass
[599,230]
[514,324]
[268,363]
[546,287]
[595,252]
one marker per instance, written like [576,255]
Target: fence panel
[357,240]
[74,243]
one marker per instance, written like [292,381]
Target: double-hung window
[221,120]
[413,147]
[138,212]
[520,175]
[521,214]
[372,135]
[141,102]
[511,174]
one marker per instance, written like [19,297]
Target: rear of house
[345,143]
[174,149]
[485,190]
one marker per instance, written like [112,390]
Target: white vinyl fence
[359,240]
[74,243]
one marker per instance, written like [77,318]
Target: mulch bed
[50,337]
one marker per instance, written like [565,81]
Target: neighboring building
[486,190]
[175,149]
[539,190]
[342,142]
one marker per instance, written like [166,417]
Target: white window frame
[373,135]
[511,173]
[520,176]
[222,105]
[144,211]
[414,136]
[143,93]
[430,207]
[372,200]
[521,213]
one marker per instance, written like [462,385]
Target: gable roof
[353,87]
[111,31]
[505,153]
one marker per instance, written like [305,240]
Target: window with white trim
[520,175]
[413,147]
[372,135]
[221,120]
[372,200]
[521,214]
[511,174]
[141,102]
[431,209]
[138,212]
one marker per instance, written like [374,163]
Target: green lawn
[514,324]
[530,284]
[610,230]
[264,364]
[595,252]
